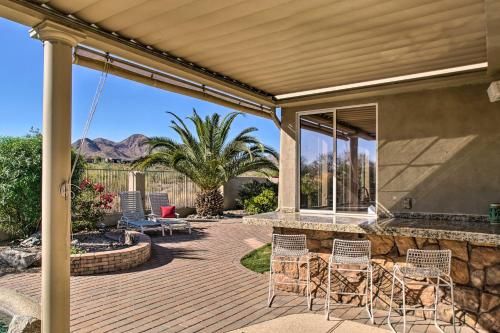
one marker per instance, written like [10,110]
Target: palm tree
[209,157]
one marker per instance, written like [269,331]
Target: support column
[137,182]
[56,167]
[289,175]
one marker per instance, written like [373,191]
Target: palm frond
[208,155]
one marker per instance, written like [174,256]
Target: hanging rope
[90,117]
[66,189]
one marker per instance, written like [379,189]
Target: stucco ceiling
[283,46]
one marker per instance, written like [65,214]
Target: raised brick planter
[112,261]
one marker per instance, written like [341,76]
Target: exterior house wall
[441,148]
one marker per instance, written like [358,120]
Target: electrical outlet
[407,203]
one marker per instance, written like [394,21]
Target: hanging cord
[93,108]
[66,189]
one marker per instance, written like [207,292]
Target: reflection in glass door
[338,160]
[316,161]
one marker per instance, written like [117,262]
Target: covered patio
[400,85]
[196,284]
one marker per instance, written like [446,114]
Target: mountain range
[129,149]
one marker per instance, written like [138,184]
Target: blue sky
[125,108]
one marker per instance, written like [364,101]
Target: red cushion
[167,211]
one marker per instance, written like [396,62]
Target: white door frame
[298,147]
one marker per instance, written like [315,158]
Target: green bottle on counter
[494,213]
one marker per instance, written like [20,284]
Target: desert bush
[266,201]
[21,184]
[89,205]
[253,189]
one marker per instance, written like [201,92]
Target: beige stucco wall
[439,147]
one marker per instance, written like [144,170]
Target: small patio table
[175,222]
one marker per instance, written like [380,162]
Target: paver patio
[191,284]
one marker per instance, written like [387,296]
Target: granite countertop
[475,232]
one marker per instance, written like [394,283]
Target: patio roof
[261,49]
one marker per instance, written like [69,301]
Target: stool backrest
[288,243]
[440,259]
[351,248]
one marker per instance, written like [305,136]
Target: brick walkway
[193,283]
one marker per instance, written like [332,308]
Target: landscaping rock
[328,243]
[489,320]
[489,302]
[33,240]
[25,324]
[482,257]
[404,244]
[381,244]
[493,289]
[426,243]
[19,259]
[458,249]
[459,271]
[467,298]
[129,238]
[313,244]
[493,275]
[420,242]
[477,278]
[427,295]
[431,247]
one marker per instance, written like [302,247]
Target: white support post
[56,167]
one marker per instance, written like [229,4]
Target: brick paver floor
[193,283]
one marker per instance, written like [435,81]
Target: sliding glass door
[316,161]
[338,160]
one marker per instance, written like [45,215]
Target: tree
[209,156]
[21,183]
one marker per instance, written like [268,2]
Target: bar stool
[351,253]
[423,264]
[289,249]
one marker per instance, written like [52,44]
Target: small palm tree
[209,157]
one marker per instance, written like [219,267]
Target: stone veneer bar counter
[475,266]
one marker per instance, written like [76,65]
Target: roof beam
[452,80]
[119,67]
[492,9]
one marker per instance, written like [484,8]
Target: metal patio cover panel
[283,46]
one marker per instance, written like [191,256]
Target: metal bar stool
[351,253]
[423,264]
[289,249]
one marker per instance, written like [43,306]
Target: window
[338,157]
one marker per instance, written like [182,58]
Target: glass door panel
[338,157]
[356,148]
[316,161]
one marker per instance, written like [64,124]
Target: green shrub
[265,202]
[77,250]
[89,205]
[21,184]
[253,189]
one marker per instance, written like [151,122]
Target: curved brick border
[112,261]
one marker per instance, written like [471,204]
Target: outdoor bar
[406,167]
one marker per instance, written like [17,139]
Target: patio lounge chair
[133,213]
[156,201]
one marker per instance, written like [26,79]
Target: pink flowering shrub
[89,205]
